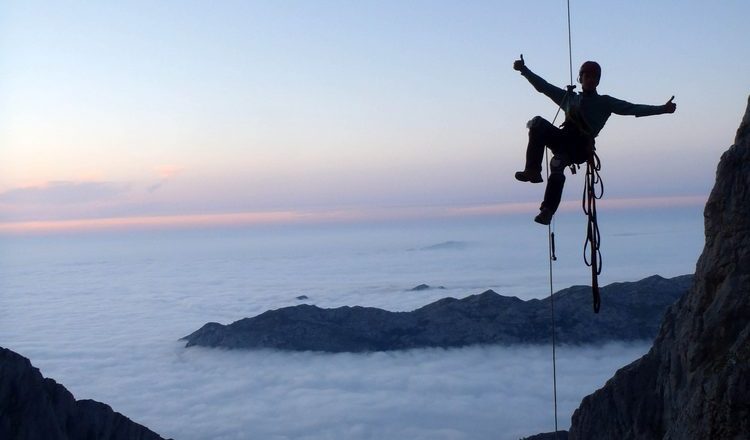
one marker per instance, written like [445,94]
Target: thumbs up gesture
[670,106]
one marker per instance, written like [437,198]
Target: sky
[122,113]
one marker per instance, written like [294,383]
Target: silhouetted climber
[585,115]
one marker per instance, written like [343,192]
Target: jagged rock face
[36,408]
[631,311]
[694,383]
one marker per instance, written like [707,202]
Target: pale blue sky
[112,109]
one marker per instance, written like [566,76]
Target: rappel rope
[551,233]
[552,257]
[593,190]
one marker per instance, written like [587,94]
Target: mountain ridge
[631,311]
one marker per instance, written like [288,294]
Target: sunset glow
[145,117]
[333,216]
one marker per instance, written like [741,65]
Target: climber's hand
[670,106]
[519,64]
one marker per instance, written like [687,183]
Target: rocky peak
[694,383]
[36,408]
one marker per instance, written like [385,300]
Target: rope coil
[593,191]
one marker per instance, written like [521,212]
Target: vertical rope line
[550,243]
[570,47]
[554,342]
[550,236]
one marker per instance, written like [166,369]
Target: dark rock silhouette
[302,297]
[560,435]
[694,383]
[33,407]
[631,311]
[424,287]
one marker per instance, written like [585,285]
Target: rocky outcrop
[559,435]
[36,408]
[631,311]
[694,383]
[421,287]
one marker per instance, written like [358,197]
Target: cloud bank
[470,393]
[101,313]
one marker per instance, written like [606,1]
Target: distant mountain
[630,311]
[424,287]
[446,245]
[36,408]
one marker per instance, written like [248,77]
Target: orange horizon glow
[332,216]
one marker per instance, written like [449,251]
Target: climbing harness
[593,190]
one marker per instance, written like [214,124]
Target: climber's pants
[568,146]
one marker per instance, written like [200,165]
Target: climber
[585,115]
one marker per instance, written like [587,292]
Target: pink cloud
[166,173]
[327,216]
[63,193]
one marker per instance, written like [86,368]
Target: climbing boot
[529,176]
[544,217]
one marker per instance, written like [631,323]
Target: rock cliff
[36,408]
[630,311]
[694,383]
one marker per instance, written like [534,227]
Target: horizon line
[343,215]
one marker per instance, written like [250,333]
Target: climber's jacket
[588,110]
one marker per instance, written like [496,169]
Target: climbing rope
[570,48]
[551,233]
[552,257]
[593,237]
[593,190]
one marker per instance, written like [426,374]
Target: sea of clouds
[102,314]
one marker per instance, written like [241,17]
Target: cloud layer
[470,393]
[102,313]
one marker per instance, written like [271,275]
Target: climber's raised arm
[556,94]
[620,107]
